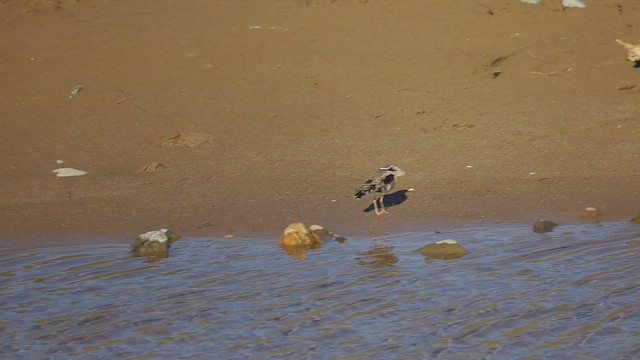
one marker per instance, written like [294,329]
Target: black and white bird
[380,183]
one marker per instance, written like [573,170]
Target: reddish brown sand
[496,109]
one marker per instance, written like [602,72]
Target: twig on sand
[634,50]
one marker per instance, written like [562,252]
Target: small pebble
[75,91]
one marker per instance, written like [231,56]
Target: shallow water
[571,293]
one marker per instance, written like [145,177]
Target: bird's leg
[375,206]
[384,211]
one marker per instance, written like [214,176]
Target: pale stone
[447,242]
[67,172]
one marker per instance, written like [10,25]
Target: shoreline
[375,228]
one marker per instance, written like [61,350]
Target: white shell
[66,172]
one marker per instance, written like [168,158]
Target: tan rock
[445,249]
[297,239]
[297,234]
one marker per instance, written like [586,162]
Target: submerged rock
[543,226]
[445,249]
[154,243]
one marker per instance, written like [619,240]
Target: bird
[379,183]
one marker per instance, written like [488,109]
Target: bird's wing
[374,182]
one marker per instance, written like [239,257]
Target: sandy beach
[250,115]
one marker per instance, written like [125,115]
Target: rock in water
[320,234]
[543,226]
[445,249]
[297,239]
[154,243]
[297,234]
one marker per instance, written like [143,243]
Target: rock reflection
[378,256]
[300,251]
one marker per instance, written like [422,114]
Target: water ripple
[571,293]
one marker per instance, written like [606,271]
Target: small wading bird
[380,183]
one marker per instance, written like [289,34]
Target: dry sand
[496,109]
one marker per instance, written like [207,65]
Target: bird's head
[394,170]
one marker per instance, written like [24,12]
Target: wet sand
[498,111]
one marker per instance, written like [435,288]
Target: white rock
[66,172]
[155,235]
[447,241]
[565,3]
[573,3]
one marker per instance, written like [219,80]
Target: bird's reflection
[378,256]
